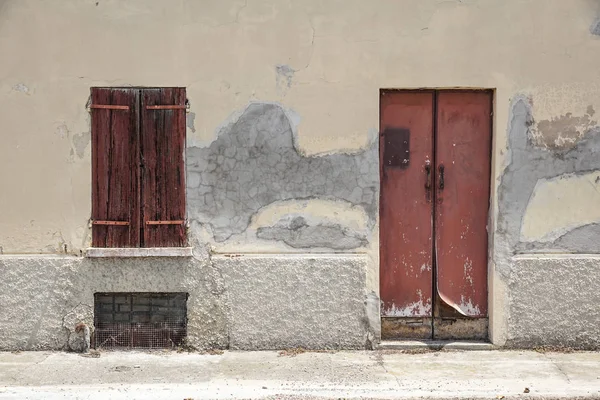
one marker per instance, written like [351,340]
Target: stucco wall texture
[282,156]
[242,302]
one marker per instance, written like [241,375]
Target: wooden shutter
[115,132]
[163,173]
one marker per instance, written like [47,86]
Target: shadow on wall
[255,162]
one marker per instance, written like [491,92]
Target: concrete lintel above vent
[100,252]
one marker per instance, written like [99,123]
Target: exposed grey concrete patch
[554,301]
[284,301]
[284,76]
[373,320]
[564,131]
[189,119]
[38,294]
[595,28]
[296,232]
[80,142]
[21,87]
[585,239]
[548,299]
[528,163]
[255,162]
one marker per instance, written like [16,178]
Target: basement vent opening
[139,320]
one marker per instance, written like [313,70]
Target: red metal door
[406,147]
[463,141]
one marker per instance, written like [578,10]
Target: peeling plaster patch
[373,319]
[563,131]
[581,240]
[63,131]
[526,165]
[546,217]
[21,87]
[81,142]
[255,162]
[285,73]
[296,232]
[190,118]
[595,28]
[315,210]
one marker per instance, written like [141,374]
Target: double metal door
[435,183]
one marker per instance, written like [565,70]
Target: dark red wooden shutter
[115,132]
[163,172]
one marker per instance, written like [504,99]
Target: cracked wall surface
[316,190]
[529,167]
[547,202]
[324,62]
[255,162]
[296,232]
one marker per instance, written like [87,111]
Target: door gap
[433,196]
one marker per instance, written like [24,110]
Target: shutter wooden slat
[115,162]
[163,182]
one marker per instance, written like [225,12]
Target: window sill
[102,252]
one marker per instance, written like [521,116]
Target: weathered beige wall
[325,60]
[226,53]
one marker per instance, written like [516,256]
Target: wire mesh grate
[139,320]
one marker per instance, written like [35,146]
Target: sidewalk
[343,374]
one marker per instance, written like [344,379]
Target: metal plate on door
[396,151]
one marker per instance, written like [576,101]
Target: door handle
[441,169]
[428,180]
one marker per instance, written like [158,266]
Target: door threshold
[434,345]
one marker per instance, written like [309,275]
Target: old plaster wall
[301,80]
[244,302]
[255,163]
[290,301]
[554,301]
[547,203]
[43,298]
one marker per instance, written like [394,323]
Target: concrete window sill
[101,252]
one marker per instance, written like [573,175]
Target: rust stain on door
[463,142]
[406,162]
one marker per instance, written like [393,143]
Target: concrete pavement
[343,374]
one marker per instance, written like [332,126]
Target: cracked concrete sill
[101,252]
